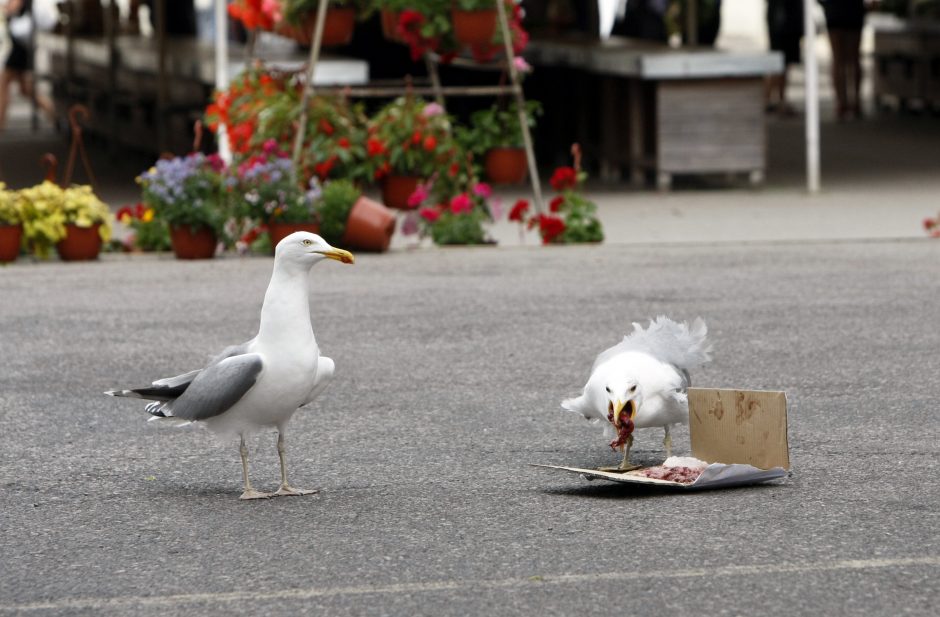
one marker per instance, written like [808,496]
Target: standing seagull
[642,381]
[260,383]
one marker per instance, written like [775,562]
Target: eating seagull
[262,382]
[643,382]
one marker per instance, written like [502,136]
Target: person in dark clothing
[844,22]
[785,29]
[19,65]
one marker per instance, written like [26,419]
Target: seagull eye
[307,242]
[633,389]
[608,389]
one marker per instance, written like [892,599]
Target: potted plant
[453,207]
[186,193]
[572,218]
[408,140]
[474,21]
[149,233]
[240,106]
[348,218]
[11,227]
[299,21]
[73,220]
[87,224]
[268,192]
[495,136]
[447,26]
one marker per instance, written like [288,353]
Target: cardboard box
[742,434]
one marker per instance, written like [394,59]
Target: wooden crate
[710,126]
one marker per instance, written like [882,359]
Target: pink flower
[432,109]
[215,162]
[461,204]
[418,197]
[269,146]
[521,65]
[482,189]
[430,214]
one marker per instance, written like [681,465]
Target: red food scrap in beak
[625,429]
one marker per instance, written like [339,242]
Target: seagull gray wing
[217,388]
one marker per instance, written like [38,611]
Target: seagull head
[623,400]
[305,248]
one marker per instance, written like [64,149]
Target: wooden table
[672,111]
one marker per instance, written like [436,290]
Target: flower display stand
[437,90]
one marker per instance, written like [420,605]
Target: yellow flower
[148,215]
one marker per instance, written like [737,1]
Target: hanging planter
[338,27]
[506,165]
[192,242]
[10,237]
[80,243]
[397,189]
[390,20]
[279,230]
[369,227]
[474,27]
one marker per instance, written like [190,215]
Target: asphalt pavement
[450,368]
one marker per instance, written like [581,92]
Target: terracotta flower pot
[279,231]
[474,27]
[337,28]
[192,242]
[390,25]
[397,189]
[369,227]
[10,237]
[506,165]
[80,243]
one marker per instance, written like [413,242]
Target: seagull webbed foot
[251,493]
[286,490]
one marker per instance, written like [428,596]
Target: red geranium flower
[430,142]
[461,203]
[564,178]
[343,143]
[323,169]
[929,224]
[550,227]
[325,126]
[416,137]
[518,210]
[374,147]
[555,204]
[430,214]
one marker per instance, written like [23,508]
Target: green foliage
[465,228]
[496,127]
[333,207]
[580,215]
[9,209]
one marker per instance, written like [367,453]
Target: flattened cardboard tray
[742,434]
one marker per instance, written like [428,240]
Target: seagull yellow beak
[615,409]
[340,255]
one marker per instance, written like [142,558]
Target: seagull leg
[667,442]
[285,488]
[249,493]
[625,463]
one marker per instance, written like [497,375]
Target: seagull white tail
[684,346]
